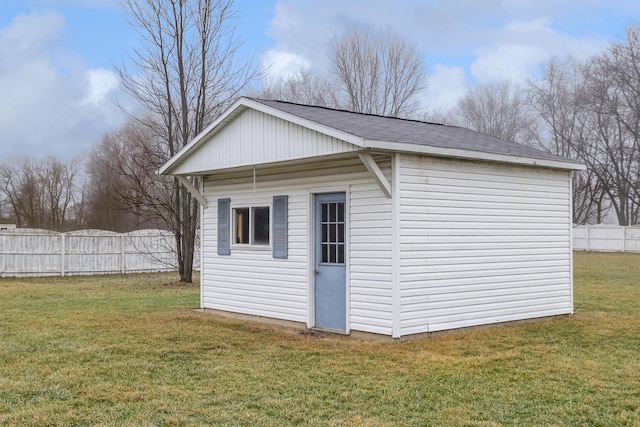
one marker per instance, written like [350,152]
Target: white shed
[359,223]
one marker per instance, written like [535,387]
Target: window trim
[251,245]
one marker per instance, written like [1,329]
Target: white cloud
[280,64]
[506,62]
[446,85]
[537,26]
[51,102]
[520,46]
[30,33]
[101,83]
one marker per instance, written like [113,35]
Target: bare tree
[118,165]
[497,109]
[441,116]
[303,87]
[41,194]
[19,180]
[57,182]
[79,209]
[184,73]
[103,208]
[373,72]
[559,99]
[378,72]
[613,90]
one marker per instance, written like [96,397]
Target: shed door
[330,296]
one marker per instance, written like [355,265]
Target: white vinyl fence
[33,252]
[606,238]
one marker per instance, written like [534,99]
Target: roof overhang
[242,104]
[470,154]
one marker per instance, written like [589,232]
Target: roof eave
[472,155]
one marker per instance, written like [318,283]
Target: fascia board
[470,154]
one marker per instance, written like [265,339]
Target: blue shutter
[224,227]
[280,226]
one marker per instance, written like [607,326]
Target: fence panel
[92,252]
[632,239]
[32,252]
[606,238]
[147,249]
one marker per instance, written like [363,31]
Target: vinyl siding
[255,138]
[251,281]
[481,243]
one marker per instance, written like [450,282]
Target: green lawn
[118,350]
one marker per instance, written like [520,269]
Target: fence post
[62,254]
[588,227]
[123,267]
[624,239]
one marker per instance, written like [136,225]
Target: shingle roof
[380,128]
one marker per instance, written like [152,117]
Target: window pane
[241,232]
[332,233]
[260,226]
[340,212]
[325,234]
[325,253]
[332,254]
[341,254]
[341,233]
[325,215]
[332,212]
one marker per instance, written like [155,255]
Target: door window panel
[332,233]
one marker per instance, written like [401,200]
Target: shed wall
[482,243]
[255,138]
[251,281]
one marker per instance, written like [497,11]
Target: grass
[129,351]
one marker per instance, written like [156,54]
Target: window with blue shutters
[254,227]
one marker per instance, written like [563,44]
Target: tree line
[185,70]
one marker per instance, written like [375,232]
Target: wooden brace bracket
[374,170]
[193,190]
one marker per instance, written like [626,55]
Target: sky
[59,94]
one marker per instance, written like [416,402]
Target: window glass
[260,226]
[241,234]
[332,233]
[251,226]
